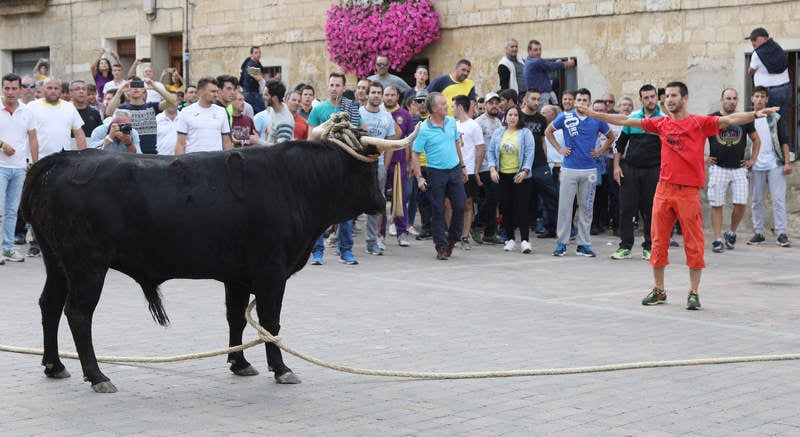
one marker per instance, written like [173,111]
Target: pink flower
[356,35]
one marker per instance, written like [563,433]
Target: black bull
[246,217]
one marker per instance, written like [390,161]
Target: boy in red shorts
[683,138]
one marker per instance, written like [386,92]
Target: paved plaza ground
[481,310]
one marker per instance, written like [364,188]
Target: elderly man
[116,134]
[438,138]
[511,69]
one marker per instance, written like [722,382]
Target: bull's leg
[51,303]
[235,303]
[85,288]
[269,299]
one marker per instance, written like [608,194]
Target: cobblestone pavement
[481,310]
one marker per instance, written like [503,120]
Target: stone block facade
[619,44]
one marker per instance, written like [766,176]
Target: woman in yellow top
[174,82]
[510,159]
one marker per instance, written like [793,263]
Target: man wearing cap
[487,200]
[769,67]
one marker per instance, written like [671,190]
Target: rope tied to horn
[339,131]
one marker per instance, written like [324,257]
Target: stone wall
[619,44]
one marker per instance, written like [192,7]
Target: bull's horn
[318,131]
[383,144]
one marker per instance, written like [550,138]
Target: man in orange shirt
[683,137]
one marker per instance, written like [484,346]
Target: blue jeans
[781,96]
[441,184]
[11,180]
[344,236]
[256,101]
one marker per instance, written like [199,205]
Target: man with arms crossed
[683,138]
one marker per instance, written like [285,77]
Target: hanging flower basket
[358,31]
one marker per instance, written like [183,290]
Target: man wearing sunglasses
[27,93]
[385,78]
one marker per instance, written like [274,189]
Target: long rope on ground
[265,336]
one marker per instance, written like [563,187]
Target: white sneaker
[13,256]
[525,246]
[402,240]
[392,230]
[412,231]
[510,245]
[381,243]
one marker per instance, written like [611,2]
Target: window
[23,61]
[271,71]
[565,79]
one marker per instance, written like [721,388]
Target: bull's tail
[154,304]
[34,181]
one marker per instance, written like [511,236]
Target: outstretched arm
[745,117]
[618,119]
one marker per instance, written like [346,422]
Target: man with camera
[116,134]
[142,113]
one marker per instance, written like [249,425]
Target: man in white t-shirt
[281,120]
[471,139]
[203,126]
[166,130]
[57,119]
[17,142]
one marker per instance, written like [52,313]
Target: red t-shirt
[683,144]
[300,127]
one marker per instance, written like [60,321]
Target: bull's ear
[236,170]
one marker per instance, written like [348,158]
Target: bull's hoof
[104,387]
[57,373]
[287,378]
[247,371]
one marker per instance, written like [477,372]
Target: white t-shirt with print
[203,127]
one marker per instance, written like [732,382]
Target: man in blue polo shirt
[438,139]
[578,171]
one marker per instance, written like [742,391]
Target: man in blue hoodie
[769,67]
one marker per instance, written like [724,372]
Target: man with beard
[683,137]
[57,120]
[637,157]
[544,187]
[456,84]
[486,219]
[398,161]
[281,120]
[727,168]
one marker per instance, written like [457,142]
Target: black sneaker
[783,241]
[33,252]
[424,236]
[717,246]
[756,240]
[693,301]
[655,297]
[730,239]
[19,239]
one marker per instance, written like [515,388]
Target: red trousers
[677,202]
